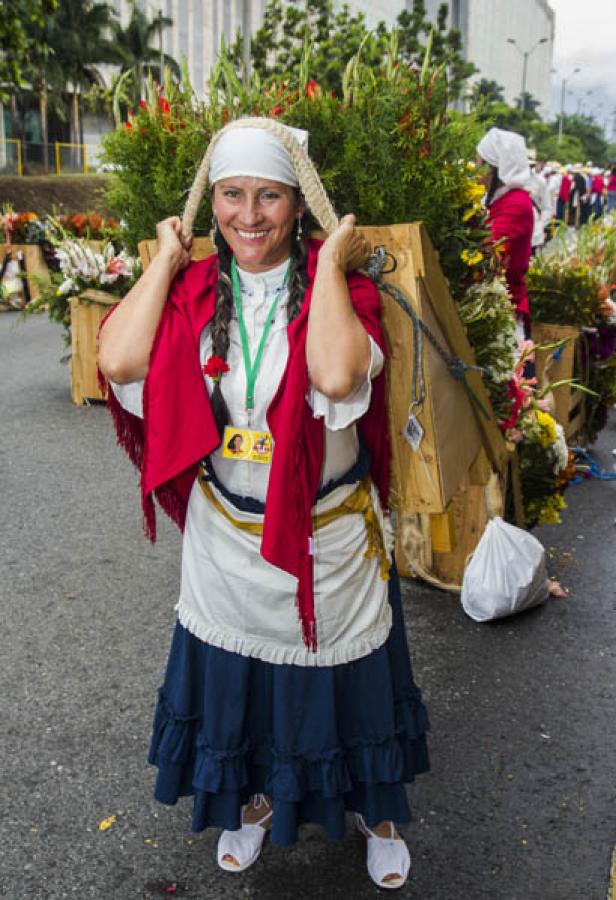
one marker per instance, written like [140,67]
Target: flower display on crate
[16,227]
[420,154]
[81,268]
[575,284]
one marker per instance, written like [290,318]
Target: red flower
[313,88]
[276,110]
[215,367]
[128,125]
[143,104]
[164,106]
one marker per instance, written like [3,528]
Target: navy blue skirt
[319,740]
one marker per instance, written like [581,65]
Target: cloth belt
[360,501]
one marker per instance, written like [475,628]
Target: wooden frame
[557,364]
[34,262]
[87,312]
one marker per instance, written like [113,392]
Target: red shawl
[511,217]
[178,428]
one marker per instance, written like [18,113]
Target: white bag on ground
[506,574]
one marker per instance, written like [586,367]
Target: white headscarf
[507,151]
[255,152]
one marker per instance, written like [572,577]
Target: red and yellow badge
[214,367]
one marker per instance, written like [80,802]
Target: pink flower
[116,265]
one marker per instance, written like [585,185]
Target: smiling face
[256,218]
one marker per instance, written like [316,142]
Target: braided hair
[223,309]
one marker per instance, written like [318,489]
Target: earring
[214,229]
[300,228]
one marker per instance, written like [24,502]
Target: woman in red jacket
[510,211]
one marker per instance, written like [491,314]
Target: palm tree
[44,73]
[79,36]
[140,57]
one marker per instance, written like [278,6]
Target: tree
[485,92]
[15,41]
[335,37]
[415,29]
[46,76]
[527,103]
[139,55]
[590,136]
[78,38]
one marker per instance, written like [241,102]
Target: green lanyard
[252,370]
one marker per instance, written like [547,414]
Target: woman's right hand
[171,245]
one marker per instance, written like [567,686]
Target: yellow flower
[107,823]
[471,258]
[548,428]
[473,211]
[474,191]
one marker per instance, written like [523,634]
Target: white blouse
[230,596]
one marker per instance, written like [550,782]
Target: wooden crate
[87,313]
[34,262]
[564,362]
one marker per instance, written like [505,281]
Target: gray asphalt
[521,801]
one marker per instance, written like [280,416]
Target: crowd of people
[527,197]
[573,193]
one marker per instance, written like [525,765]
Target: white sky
[586,38]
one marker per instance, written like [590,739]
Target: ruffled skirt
[320,741]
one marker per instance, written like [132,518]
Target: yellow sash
[360,501]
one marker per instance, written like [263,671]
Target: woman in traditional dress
[289,695]
[510,211]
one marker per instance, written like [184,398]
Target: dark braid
[298,276]
[220,326]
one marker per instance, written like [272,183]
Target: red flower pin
[215,367]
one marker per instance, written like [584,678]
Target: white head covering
[507,151]
[255,152]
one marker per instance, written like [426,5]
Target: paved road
[521,802]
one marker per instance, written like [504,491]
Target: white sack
[506,574]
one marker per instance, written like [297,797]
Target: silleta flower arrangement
[84,268]
[81,268]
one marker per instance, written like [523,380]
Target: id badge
[413,431]
[243,445]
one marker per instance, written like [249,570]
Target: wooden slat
[86,317]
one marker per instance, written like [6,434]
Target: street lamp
[562,103]
[525,54]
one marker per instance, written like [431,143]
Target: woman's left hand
[346,247]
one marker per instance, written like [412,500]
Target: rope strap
[360,501]
[456,367]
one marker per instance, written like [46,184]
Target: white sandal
[385,856]
[245,844]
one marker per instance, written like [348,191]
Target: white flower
[560,451]
[66,287]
